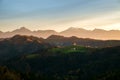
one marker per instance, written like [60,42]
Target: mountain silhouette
[25,31]
[22,30]
[44,33]
[94,34]
[78,32]
[58,40]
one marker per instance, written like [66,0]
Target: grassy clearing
[32,56]
[70,49]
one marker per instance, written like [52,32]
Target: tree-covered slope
[71,63]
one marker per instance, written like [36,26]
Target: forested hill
[59,58]
[71,63]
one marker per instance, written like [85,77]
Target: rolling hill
[20,44]
[59,58]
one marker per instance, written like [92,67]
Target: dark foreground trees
[64,64]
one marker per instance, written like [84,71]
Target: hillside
[59,58]
[68,41]
[19,45]
[72,63]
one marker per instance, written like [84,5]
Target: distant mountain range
[78,32]
[25,31]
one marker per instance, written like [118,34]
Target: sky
[59,14]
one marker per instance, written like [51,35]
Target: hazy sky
[59,14]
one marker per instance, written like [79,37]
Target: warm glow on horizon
[59,15]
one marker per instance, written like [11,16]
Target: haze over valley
[78,32]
